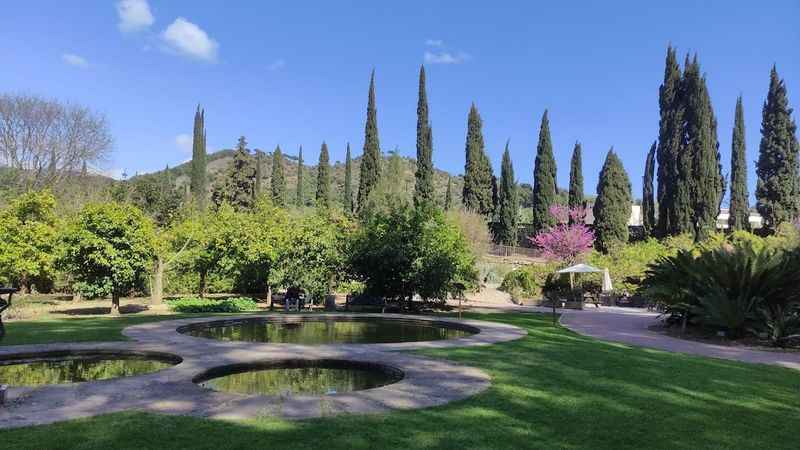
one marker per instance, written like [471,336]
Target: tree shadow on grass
[551,389]
[100,310]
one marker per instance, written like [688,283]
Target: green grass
[92,329]
[552,389]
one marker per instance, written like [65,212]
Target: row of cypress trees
[690,181]
[689,174]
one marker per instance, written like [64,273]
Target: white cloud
[134,15]
[434,43]
[184,142]
[75,60]
[187,38]
[278,64]
[446,57]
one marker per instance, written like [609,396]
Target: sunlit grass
[552,389]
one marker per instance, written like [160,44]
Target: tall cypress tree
[448,194]
[237,187]
[576,178]
[324,178]
[544,179]
[348,182]
[277,181]
[669,142]
[506,231]
[477,193]
[199,180]
[648,200]
[707,185]
[298,200]
[612,208]
[259,174]
[690,181]
[777,187]
[423,187]
[371,157]
[739,212]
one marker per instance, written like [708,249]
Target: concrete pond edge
[426,382]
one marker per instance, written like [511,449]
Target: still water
[332,331]
[301,381]
[74,370]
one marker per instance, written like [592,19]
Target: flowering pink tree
[569,240]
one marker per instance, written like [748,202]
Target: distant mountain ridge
[217,163]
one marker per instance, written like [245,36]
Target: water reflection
[334,331]
[73,370]
[306,380]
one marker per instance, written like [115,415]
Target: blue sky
[293,73]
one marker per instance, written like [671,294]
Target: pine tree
[544,179]
[237,187]
[277,181]
[777,188]
[423,188]
[739,212]
[259,174]
[371,157]
[477,193]
[576,178]
[506,231]
[199,180]
[324,178]
[448,195]
[648,200]
[612,208]
[669,142]
[298,200]
[348,182]
[702,144]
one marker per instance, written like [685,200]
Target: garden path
[633,326]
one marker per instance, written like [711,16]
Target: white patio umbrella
[572,270]
[607,287]
[579,268]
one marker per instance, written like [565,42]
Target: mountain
[218,162]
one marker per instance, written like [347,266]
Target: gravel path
[631,326]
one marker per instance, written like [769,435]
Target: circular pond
[328,330]
[38,369]
[299,377]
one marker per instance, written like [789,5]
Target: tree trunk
[157,290]
[269,296]
[202,289]
[115,304]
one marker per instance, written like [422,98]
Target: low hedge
[207,305]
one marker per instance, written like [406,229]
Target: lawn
[552,389]
[85,329]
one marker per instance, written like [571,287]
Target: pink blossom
[565,242]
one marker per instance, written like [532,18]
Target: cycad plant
[732,288]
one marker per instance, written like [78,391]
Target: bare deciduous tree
[46,141]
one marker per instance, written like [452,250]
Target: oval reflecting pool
[300,377]
[41,369]
[337,330]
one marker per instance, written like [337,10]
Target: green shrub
[727,287]
[528,281]
[207,305]
[406,251]
[627,264]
